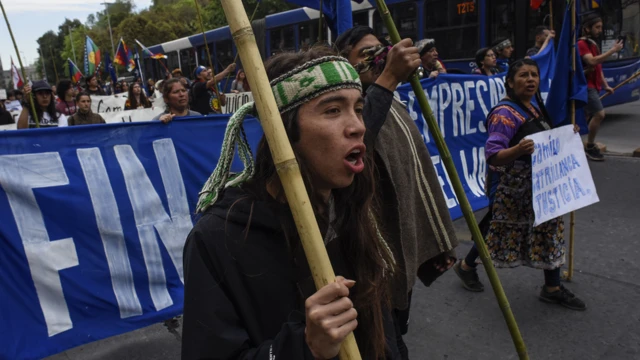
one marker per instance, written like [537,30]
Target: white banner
[109,117]
[235,101]
[561,178]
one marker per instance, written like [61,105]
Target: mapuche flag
[91,58]
[74,72]
[15,76]
[148,52]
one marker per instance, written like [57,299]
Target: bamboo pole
[53,60]
[572,217]
[34,114]
[206,46]
[634,76]
[551,15]
[283,157]
[459,191]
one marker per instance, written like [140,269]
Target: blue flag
[336,12]
[567,84]
[110,69]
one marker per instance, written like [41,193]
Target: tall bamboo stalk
[459,191]
[550,14]
[24,75]
[572,217]
[283,157]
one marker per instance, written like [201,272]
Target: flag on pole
[568,84]
[147,52]
[74,72]
[91,58]
[15,75]
[132,61]
[122,54]
[112,71]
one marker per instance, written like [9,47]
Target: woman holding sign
[511,238]
[249,293]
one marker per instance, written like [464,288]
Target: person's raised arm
[591,60]
[219,77]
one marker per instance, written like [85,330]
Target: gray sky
[31,18]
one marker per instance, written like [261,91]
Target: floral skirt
[512,239]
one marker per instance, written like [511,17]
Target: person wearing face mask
[85,116]
[248,289]
[414,213]
[45,106]
[177,100]
[596,81]
[511,237]
[503,50]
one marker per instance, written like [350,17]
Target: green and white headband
[312,79]
[300,85]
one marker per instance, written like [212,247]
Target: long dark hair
[133,103]
[511,93]
[50,109]
[62,88]
[245,82]
[354,222]
[480,55]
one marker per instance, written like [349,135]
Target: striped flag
[148,52]
[74,72]
[91,58]
[15,76]
[122,54]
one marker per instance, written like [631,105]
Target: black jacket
[245,286]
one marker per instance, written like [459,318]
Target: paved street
[449,322]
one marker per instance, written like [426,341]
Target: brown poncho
[414,214]
[85,118]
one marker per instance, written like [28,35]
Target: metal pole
[572,218]
[73,49]
[106,6]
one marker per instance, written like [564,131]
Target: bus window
[223,56]
[187,62]
[501,20]
[361,18]
[454,26]
[620,18]
[172,60]
[308,34]
[405,16]
[282,39]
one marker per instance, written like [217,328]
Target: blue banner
[626,93]
[94,220]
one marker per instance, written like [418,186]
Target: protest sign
[235,101]
[14,105]
[561,178]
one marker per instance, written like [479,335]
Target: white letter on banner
[412,101]
[110,227]
[443,103]
[502,92]
[482,84]
[471,177]
[493,93]
[457,114]
[451,202]
[19,175]
[468,85]
[150,215]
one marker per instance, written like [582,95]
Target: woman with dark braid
[511,237]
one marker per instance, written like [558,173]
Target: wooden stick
[206,46]
[24,75]
[569,275]
[551,15]
[445,156]
[283,157]
[634,76]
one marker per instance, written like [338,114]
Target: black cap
[40,85]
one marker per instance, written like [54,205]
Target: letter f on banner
[19,175]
